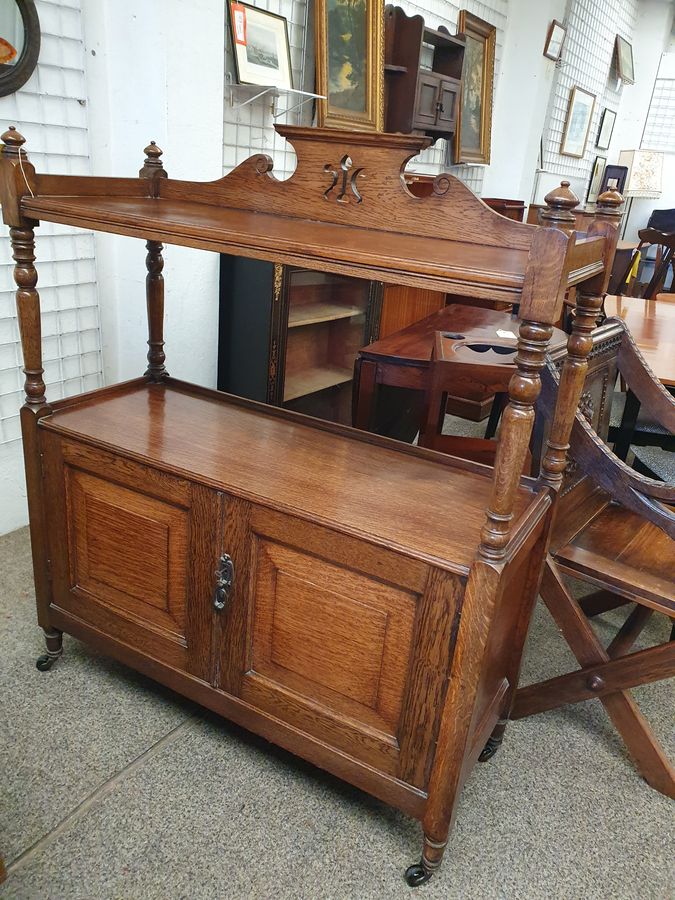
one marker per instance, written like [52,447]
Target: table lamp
[645,171]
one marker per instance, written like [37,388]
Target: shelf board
[310,381]
[321,311]
[400,70]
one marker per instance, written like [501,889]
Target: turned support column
[17,179]
[516,429]
[153,170]
[28,313]
[154,294]
[572,377]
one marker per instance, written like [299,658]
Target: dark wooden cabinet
[421,98]
[289,336]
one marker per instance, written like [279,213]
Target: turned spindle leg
[28,313]
[54,642]
[154,291]
[432,856]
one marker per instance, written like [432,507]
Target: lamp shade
[645,170]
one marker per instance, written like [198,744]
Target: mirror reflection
[12,35]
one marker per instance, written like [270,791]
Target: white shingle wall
[250,129]
[592,26]
[50,111]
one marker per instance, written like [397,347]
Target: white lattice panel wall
[592,26]
[250,129]
[50,111]
[659,131]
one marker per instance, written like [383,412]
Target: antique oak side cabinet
[359,602]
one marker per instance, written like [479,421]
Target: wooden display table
[652,324]
[361,603]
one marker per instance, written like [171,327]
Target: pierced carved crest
[345,180]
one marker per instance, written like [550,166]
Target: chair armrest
[654,398]
[644,496]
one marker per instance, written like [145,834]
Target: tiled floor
[113,787]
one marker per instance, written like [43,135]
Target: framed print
[577,123]
[555,40]
[607,121]
[260,42]
[624,60]
[350,64]
[474,117]
[596,179]
[614,179]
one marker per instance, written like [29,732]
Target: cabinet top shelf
[397,496]
[345,209]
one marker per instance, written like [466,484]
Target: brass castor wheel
[44,663]
[489,750]
[416,875]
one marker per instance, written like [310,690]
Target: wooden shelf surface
[405,498]
[321,311]
[439,264]
[318,378]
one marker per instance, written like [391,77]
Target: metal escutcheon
[224,582]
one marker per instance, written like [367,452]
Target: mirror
[19,43]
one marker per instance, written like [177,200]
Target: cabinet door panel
[134,551]
[447,109]
[427,100]
[335,647]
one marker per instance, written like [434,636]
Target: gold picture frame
[474,116]
[350,64]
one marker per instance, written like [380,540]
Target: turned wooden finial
[559,205]
[608,204]
[153,168]
[12,141]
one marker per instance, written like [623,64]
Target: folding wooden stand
[370,600]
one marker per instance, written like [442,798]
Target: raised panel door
[342,638]
[134,552]
[427,100]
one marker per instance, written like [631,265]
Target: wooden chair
[665,259]
[615,529]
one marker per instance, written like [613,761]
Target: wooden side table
[402,360]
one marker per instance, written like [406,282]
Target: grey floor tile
[63,732]
[559,813]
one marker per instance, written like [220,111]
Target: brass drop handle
[439,107]
[224,582]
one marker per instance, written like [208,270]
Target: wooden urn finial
[153,167]
[559,205]
[12,141]
[608,204]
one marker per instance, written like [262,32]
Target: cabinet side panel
[246,293]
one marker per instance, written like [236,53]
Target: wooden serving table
[402,360]
[362,603]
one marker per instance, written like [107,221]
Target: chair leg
[640,740]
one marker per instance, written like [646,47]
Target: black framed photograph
[614,179]
[555,40]
[262,53]
[607,120]
[596,179]
[577,122]
[624,60]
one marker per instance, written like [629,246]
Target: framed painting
[555,40]
[474,117]
[607,121]
[596,179]
[624,60]
[614,179]
[262,53]
[577,123]
[350,64]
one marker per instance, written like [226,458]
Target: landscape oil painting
[349,46]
